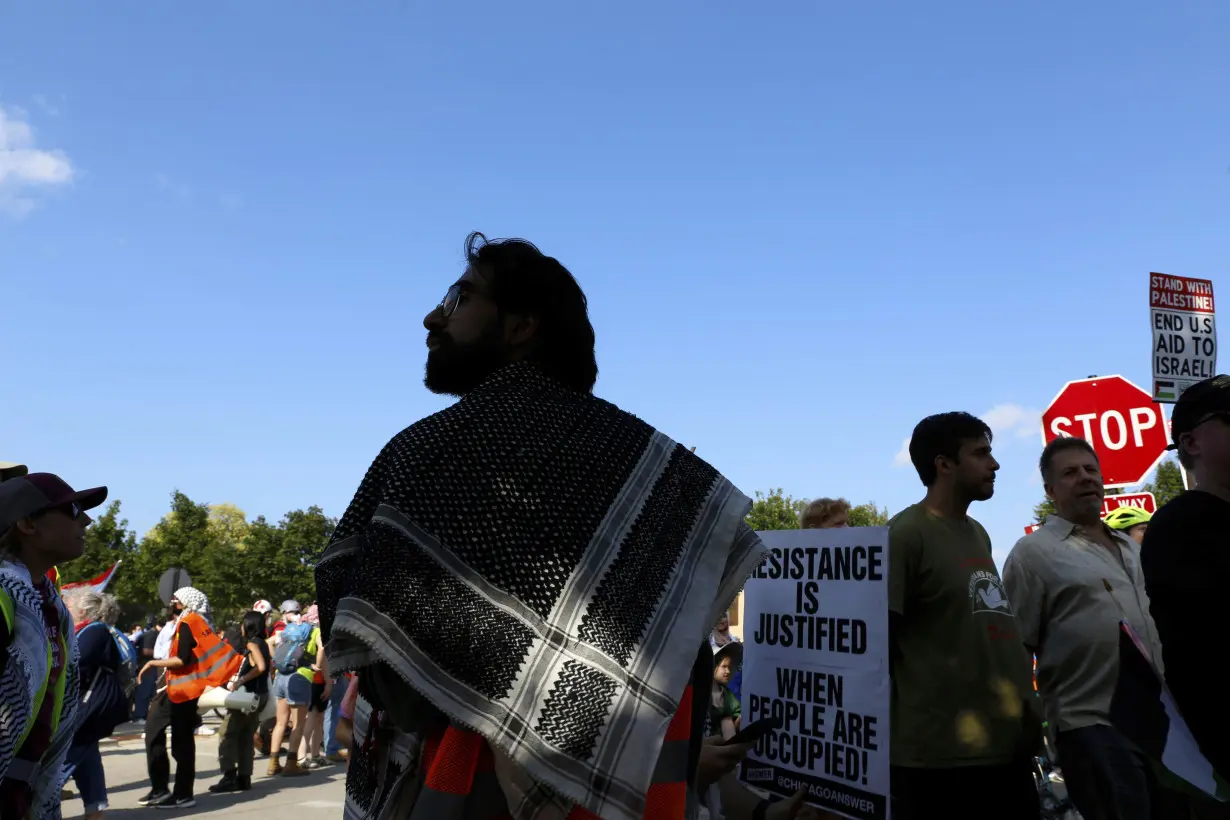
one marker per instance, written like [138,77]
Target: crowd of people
[525,588]
[70,677]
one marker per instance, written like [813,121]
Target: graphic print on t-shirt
[986,593]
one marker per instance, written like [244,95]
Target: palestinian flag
[99,582]
[1145,712]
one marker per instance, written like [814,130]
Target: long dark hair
[253,626]
[522,279]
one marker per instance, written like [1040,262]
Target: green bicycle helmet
[1125,518]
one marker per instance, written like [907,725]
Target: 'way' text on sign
[1184,333]
[816,659]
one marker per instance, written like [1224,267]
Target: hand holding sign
[718,759]
[816,671]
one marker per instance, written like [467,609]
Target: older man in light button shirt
[1056,579]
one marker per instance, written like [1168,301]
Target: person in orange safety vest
[199,658]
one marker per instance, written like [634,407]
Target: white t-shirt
[162,647]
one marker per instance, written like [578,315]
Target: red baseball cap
[30,494]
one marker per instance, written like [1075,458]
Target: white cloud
[177,188]
[1006,419]
[46,106]
[26,169]
[1003,419]
[902,459]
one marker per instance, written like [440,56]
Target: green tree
[868,515]
[775,511]
[107,540]
[1167,482]
[307,533]
[1043,508]
[279,561]
[183,538]
[226,567]
[228,523]
[231,560]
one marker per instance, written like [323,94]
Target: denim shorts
[293,688]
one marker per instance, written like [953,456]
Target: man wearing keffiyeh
[524,580]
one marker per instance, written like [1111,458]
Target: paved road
[316,796]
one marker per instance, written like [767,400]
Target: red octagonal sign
[1122,422]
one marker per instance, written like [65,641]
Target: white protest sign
[1184,334]
[815,656]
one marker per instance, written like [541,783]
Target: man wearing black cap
[42,523]
[1186,562]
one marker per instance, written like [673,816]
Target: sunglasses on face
[72,509]
[1221,415]
[450,301]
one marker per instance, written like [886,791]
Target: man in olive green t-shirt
[963,725]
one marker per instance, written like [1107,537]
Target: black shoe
[228,783]
[245,783]
[178,803]
[154,798]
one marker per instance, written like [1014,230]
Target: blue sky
[801,227]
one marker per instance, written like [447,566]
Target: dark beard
[455,369]
[977,492]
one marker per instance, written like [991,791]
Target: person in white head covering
[175,706]
[193,600]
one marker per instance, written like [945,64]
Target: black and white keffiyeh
[194,601]
[540,567]
[23,676]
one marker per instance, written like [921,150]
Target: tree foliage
[1043,508]
[868,515]
[233,561]
[1167,482]
[775,510]
[107,540]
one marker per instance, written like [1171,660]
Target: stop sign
[1122,422]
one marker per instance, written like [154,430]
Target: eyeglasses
[1219,415]
[450,301]
[73,509]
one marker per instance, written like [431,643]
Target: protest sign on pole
[815,657]
[1184,334]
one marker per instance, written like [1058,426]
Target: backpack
[292,646]
[126,674]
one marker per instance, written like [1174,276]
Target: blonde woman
[825,514]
